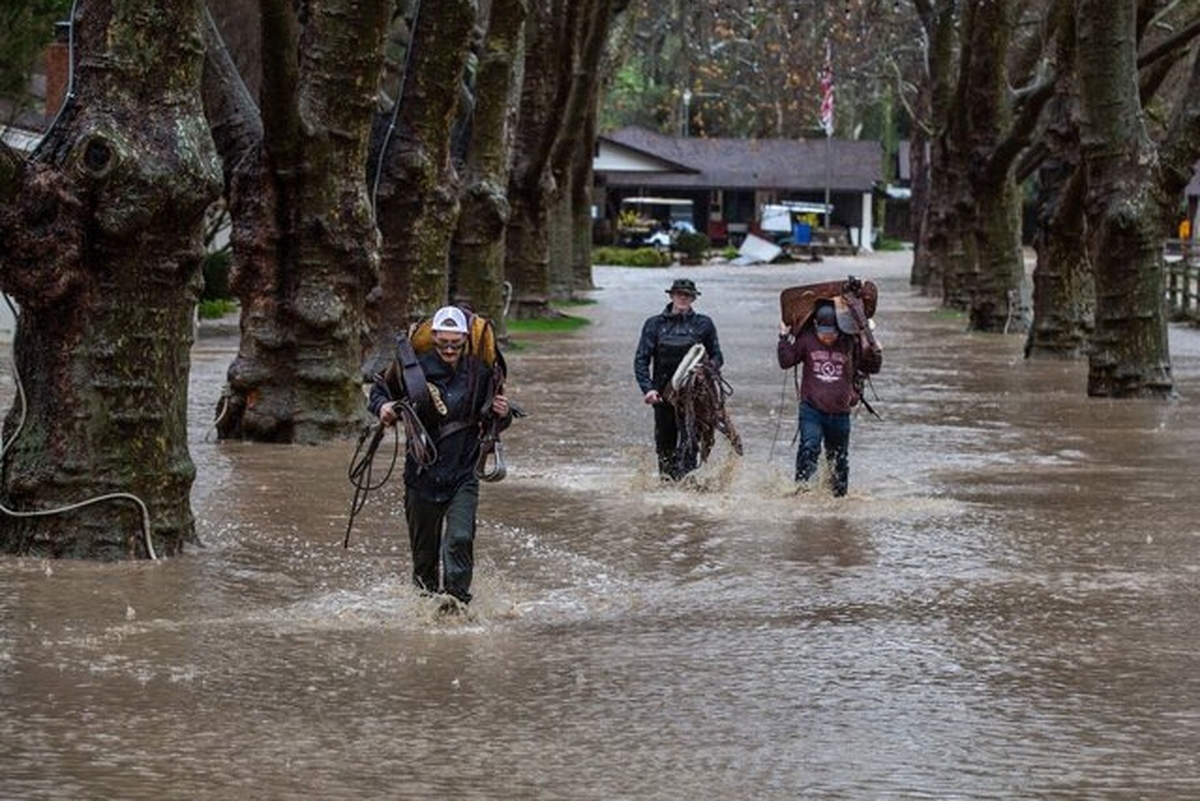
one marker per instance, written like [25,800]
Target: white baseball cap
[450,318]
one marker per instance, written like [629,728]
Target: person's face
[682,301]
[828,339]
[449,346]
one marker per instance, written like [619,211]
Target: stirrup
[497,470]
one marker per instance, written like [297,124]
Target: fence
[1182,258]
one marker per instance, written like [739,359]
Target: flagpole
[828,172]
[827,123]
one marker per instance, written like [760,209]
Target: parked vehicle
[654,221]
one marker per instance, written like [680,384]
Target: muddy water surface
[1005,606]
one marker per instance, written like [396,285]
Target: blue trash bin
[801,233]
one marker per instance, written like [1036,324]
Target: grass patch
[884,243]
[559,324]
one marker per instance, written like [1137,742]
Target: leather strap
[412,377]
[453,428]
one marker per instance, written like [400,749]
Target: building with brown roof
[729,181]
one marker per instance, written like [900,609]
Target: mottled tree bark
[1063,291]
[1133,190]
[305,246]
[939,239]
[418,187]
[560,277]
[990,284]
[972,237]
[564,46]
[531,184]
[581,210]
[102,234]
[479,239]
[1129,354]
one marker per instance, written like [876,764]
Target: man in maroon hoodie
[830,360]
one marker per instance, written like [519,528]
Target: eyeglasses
[452,347]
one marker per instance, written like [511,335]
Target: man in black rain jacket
[666,339]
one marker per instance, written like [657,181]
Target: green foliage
[884,243]
[694,245]
[26,27]
[631,257]
[214,309]
[632,98]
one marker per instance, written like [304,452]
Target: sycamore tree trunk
[947,242]
[992,283]
[574,149]
[1063,291]
[479,239]
[995,293]
[417,188]
[564,44]
[918,207]
[971,239]
[1129,355]
[560,275]
[305,246]
[939,237]
[102,243]
[531,185]
[581,210]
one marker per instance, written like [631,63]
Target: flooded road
[1004,606]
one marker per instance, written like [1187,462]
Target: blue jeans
[816,427]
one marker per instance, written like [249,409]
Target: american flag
[827,93]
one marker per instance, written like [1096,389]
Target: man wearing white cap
[444,494]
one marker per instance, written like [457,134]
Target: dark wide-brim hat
[685,285]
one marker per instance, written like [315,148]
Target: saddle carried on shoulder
[854,301]
[482,345]
[796,304]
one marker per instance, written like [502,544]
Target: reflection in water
[1002,607]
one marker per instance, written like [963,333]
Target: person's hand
[387,414]
[500,405]
[652,397]
[784,329]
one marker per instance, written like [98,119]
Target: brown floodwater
[1004,606]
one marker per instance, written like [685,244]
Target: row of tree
[1091,104]
[1082,110]
[376,160]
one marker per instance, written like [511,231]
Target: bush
[693,244]
[884,243]
[631,257]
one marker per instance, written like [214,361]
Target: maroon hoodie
[827,373]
